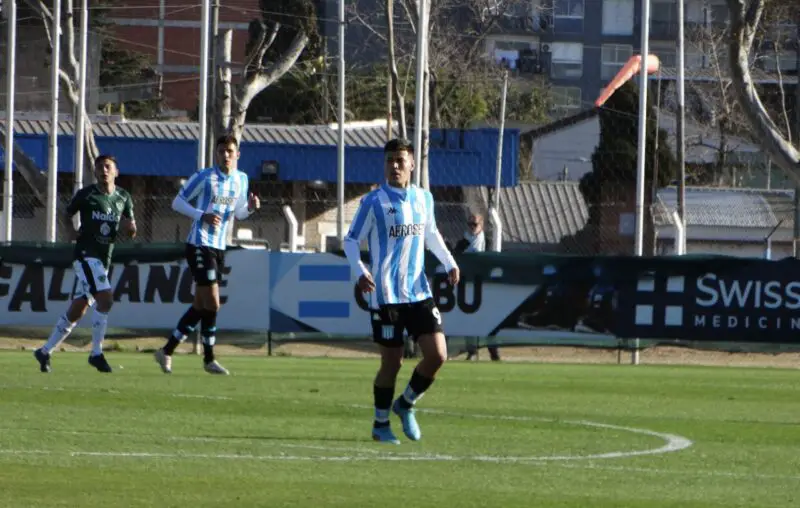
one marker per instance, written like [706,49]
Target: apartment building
[581,44]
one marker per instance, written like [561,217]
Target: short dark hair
[100,159]
[227,139]
[398,145]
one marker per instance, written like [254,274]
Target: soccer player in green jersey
[105,211]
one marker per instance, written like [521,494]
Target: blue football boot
[409,420]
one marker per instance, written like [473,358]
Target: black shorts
[418,318]
[206,264]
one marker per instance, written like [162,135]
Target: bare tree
[258,74]
[69,74]
[712,103]
[232,100]
[745,18]
[457,34]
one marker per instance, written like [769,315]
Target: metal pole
[162,14]
[797,87]
[654,183]
[642,135]
[11,58]
[499,167]
[202,117]
[796,239]
[80,117]
[212,98]
[679,130]
[389,97]
[52,163]
[203,106]
[641,155]
[340,142]
[422,41]
[497,238]
[795,251]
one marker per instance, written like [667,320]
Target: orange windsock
[630,69]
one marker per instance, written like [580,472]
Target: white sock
[60,332]
[99,324]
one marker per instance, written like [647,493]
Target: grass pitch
[296,432]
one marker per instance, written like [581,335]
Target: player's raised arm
[359,229]
[434,240]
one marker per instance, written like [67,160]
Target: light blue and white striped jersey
[212,191]
[397,224]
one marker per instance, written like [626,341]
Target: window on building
[718,14]
[568,8]
[663,20]
[568,15]
[783,61]
[566,60]
[617,17]
[507,52]
[694,58]
[613,58]
[566,99]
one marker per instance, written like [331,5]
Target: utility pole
[797,134]
[212,76]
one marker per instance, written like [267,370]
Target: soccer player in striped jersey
[398,222]
[211,197]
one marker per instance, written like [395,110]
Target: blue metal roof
[303,153]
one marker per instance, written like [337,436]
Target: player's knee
[104,301]
[391,363]
[438,359]
[77,309]
[211,305]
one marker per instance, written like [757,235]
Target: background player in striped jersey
[104,210]
[211,197]
[398,221]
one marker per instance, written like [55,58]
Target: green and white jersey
[100,214]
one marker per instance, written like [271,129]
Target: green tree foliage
[121,68]
[615,158]
[610,187]
[465,94]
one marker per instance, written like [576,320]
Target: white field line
[673,442]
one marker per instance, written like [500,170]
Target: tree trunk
[425,177]
[745,16]
[393,74]
[224,96]
[426,107]
[260,77]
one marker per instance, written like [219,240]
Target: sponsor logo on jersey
[224,200]
[108,216]
[402,230]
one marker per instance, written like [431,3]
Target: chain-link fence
[545,217]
